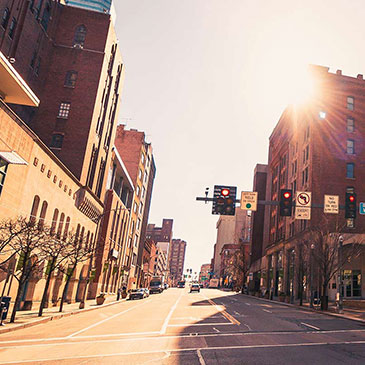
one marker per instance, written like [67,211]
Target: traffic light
[350,205]
[224,202]
[286,202]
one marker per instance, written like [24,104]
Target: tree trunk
[45,292]
[17,300]
[64,293]
[324,299]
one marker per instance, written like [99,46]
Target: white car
[195,287]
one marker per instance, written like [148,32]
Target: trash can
[4,305]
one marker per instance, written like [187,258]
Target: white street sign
[331,204]
[249,200]
[303,204]
[302,213]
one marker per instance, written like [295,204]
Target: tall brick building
[177,259]
[70,57]
[139,162]
[317,148]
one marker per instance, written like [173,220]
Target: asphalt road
[176,327]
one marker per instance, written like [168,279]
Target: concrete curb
[56,317]
[308,309]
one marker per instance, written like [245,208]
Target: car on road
[195,287]
[137,294]
[181,284]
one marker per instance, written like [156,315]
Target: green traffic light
[248,205]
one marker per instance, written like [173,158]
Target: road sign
[303,204]
[362,208]
[249,200]
[304,199]
[331,204]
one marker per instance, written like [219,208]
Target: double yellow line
[226,314]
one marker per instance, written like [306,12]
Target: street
[178,327]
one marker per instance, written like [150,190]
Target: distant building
[204,273]
[177,259]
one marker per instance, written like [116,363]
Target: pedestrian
[119,293]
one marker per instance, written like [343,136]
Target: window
[38,9]
[57,140]
[46,16]
[38,66]
[135,243]
[350,147]
[64,110]
[350,167]
[142,158]
[138,190]
[70,79]
[32,61]
[143,192]
[31,5]
[350,125]
[141,208]
[138,224]
[350,102]
[140,174]
[80,35]
[305,176]
[3,169]
[135,208]
[12,28]
[145,176]
[5,18]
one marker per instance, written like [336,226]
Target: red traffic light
[351,198]
[287,195]
[225,192]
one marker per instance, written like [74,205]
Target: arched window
[5,18]
[77,234]
[67,226]
[60,225]
[82,238]
[43,214]
[54,221]
[12,28]
[80,35]
[34,211]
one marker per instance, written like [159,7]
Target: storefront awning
[13,158]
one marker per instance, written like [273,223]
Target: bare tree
[27,243]
[324,244]
[240,264]
[78,252]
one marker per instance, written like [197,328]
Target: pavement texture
[178,327]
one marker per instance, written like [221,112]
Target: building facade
[176,260]
[317,148]
[99,5]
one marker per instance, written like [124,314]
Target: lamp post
[340,283]
[292,279]
[311,275]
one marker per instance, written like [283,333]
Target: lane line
[224,312]
[200,356]
[310,326]
[236,313]
[215,348]
[247,303]
[107,319]
[73,339]
[167,319]
[216,330]
[266,310]
[200,324]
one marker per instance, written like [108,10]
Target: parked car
[137,294]
[195,287]
[166,286]
[147,292]
[201,285]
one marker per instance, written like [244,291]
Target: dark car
[137,294]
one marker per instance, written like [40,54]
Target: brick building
[35,183]
[70,58]
[138,159]
[204,274]
[317,147]
[176,260]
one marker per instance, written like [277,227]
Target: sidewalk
[348,313]
[30,318]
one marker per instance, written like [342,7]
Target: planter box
[100,300]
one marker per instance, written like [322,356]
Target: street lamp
[340,283]
[292,279]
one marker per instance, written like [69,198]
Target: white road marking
[310,326]
[201,359]
[200,324]
[247,303]
[216,329]
[73,339]
[266,310]
[236,313]
[216,348]
[167,319]
[107,319]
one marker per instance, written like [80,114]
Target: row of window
[5,20]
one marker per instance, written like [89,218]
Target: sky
[207,81]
